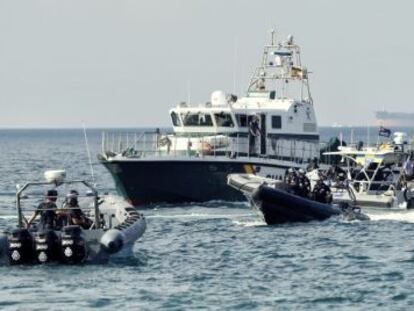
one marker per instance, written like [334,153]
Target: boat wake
[200,215]
[8,217]
[251,223]
[403,216]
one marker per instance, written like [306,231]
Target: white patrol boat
[271,128]
[71,232]
[375,177]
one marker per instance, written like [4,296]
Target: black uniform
[322,193]
[47,211]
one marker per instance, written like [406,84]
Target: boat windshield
[175,119]
[197,119]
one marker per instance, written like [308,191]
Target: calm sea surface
[213,256]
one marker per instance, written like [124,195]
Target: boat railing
[156,144]
[360,186]
[22,195]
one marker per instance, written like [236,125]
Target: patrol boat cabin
[271,128]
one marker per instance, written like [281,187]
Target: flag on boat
[384,132]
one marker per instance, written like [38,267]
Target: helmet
[72,198]
[51,194]
[72,194]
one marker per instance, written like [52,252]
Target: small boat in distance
[271,128]
[87,231]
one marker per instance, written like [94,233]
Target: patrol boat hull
[180,181]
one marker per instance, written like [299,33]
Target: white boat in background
[375,176]
[271,128]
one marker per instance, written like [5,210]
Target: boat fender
[112,241]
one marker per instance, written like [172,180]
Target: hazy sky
[126,62]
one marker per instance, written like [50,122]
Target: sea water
[212,256]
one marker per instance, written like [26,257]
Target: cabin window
[196,119]
[241,120]
[224,120]
[175,119]
[276,122]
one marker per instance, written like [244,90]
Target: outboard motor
[112,241]
[72,245]
[46,246]
[20,247]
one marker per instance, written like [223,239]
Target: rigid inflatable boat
[93,231]
[277,205]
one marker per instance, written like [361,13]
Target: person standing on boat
[254,133]
[47,211]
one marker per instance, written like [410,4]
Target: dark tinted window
[196,119]
[241,120]
[175,119]
[276,122]
[224,120]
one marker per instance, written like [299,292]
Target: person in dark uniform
[304,184]
[321,192]
[47,211]
[292,181]
[76,216]
[254,132]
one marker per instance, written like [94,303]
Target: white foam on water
[8,217]
[252,223]
[404,216]
[200,215]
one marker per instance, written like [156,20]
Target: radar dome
[55,176]
[218,98]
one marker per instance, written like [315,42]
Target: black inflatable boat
[279,206]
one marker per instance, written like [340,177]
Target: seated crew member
[292,180]
[76,216]
[321,192]
[304,184]
[47,211]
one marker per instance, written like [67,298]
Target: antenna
[188,91]
[88,152]
[273,37]
[235,65]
